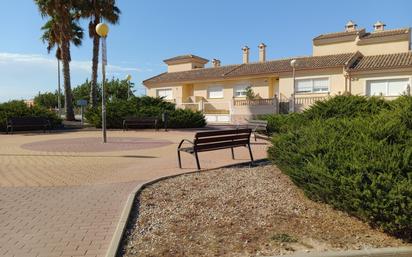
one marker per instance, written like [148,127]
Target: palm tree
[61,29]
[50,36]
[98,10]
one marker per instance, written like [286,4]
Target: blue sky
[153,30]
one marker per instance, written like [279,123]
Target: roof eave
[366,70]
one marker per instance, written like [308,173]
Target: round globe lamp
[102,29]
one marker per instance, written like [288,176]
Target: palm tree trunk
[95,63]
[68,103]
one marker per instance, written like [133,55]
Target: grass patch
[284,238]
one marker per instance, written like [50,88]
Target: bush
[144,106]
[346,106]
[283,122]
[20,109]
[48,100]
[359,161]
[186,119]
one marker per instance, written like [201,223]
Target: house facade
[352,61]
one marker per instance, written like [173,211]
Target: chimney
[215,63]
[350,26]
[262,52]
[379,26]
[245,50]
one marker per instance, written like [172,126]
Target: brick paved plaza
[61,194]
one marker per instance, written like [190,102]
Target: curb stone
[373,252]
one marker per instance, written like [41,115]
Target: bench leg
[233,153]
[250,152]
[197,161]
[179,159]
[255,136]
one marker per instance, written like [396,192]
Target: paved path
[59,200]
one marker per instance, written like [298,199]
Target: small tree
[250,94]
[47,100]
[81,91]
[117,88]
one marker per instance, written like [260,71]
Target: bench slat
[222,132]
[203,140]
[221,145]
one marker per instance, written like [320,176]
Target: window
[386,87]
[215,92]
[316,85]
[240,91]
[166,93]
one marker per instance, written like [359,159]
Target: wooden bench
[139,122]
[28,123]
[216,140]
[258,126]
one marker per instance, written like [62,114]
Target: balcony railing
[246,102]
[309,100]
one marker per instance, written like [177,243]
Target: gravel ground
[240,212]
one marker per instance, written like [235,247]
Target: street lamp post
[293,64]
[59,106]
[102,30]
[128,78]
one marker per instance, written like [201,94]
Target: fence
[254,102]
[303,102]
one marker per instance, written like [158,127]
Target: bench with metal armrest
[215,140]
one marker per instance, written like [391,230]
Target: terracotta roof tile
[385,33]
[339,34]
[184,57]
[302,63]
[365,37]
[275,66]
[196,74]
[385,61]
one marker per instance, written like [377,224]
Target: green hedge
[341,106]
[117,110]
[20,109]
[359,161]
[346,106]
[283,122]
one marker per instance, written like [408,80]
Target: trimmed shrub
[20,109]
[186,119]
[117,110]
[283,122]
[346,106]
[358,162]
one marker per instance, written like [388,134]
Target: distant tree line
[115,89]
